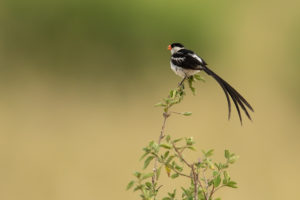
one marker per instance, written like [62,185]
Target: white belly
[183,72]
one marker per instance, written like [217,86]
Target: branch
[195,180]
[180,156]
[162,135]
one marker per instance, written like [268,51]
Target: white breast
[183,72]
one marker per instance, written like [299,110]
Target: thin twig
[178,113]
[161,136]
[180,156]
[195,180]
[203,189]
[178,172]
[205,180]
[212,192]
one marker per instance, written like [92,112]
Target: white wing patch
[180,59]
[197,57]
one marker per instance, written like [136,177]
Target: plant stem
[195,180]
[180,156]
[161,136]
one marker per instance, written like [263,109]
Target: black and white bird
[186,63]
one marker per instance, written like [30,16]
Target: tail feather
[237,99]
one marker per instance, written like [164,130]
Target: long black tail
[237,99]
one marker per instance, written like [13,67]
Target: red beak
[169,47]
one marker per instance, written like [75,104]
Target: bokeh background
[79,79]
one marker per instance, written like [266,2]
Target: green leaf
[174,176]
[166,154]
[209,153]
[166,198]
[226,178]
[232,184]
[173,94]
[160,104]
[187,113]
[166,146]
[169,159]
[145,176]
[158,172]
[137,174]
[227,154]
[130,184]
[144,155]
[191,148]
[232,159]
[168,138]
[217,181]
[215,173]
[168,170]
[199,78]
[219,166]
[153,145]
[190,141]
[148,184]
[172,195]
[177,140]
[147,161]
[178,168]
[137,188]
[191,80]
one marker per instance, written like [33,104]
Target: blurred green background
[79,80]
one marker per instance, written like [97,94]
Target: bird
[185,63]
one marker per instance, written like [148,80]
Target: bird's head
[174,47]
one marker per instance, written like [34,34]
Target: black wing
[187,59]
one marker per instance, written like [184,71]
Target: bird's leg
[181,83]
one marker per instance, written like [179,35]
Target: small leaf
[190,141]
[187,113]
[145,176]
[199,78]
[173,93]
[209,153]
[215,173]
[158,172]
[232,184]
[130,184]
[169,159]
[178,168]
[144,155]
[168,170]
[160,104]
[166,146]
[226,178]
[147,161]
[168,138]
[191,148]
[137,188]
[166,154]
[148,184]
[217,181]
[177,140]
[232,159]
[218,166]
[174,176]
[137,174]
[227,154]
